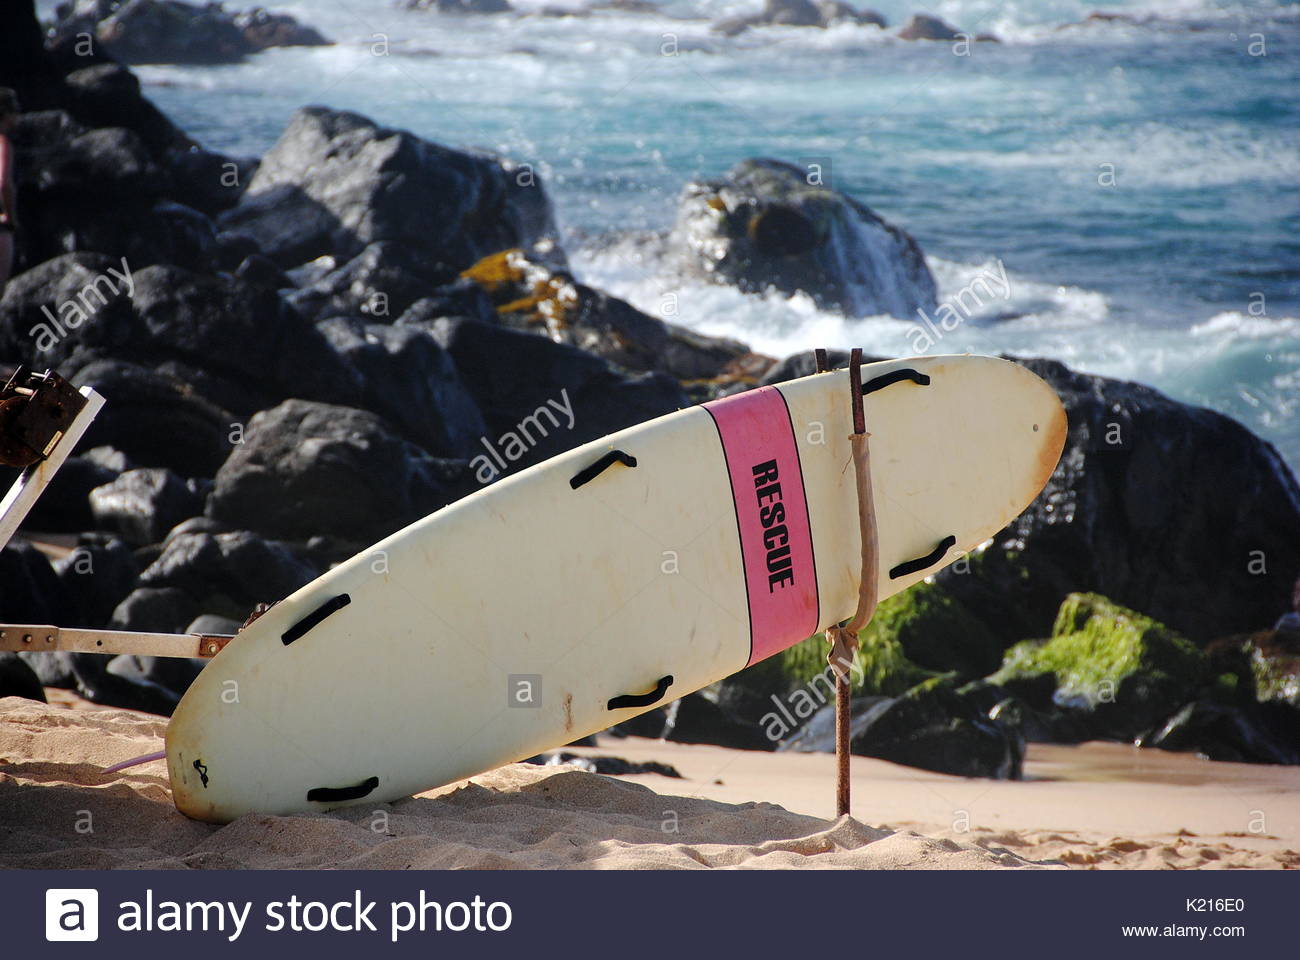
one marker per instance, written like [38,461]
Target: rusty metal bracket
[42,417]
[34,637]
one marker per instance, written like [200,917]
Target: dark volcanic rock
[818,734]
[64,505]
[335,182]
[935,727]
[379,283]
[799,13]
[155,610]
[697,718]
[17,679]
[924,27]
[306,468]
[30,590]
[515,375]
[765,225]
[169,31]
[529,294]
[412,381]
[96,575]
[1232,732]
[239,568]
[157,419]
[609,766]
[1173,510]
[142,505]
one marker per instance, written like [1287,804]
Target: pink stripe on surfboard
[772,516]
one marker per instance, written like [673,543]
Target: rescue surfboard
[605,582]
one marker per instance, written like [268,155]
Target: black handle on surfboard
[920,563]
[341,794]
[587,474]
[642,699]
[895,376]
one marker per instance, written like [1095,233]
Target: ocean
[1138,182]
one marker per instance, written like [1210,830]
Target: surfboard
[609,580]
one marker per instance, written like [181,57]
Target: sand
[1096,806]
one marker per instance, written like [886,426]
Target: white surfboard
[606,581]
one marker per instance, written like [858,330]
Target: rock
[410,380]
[238,345]
[154,610]
[30,590]
[95,683]
[925,27]
[799,13]
[1175,510]
[101,190]
[699,718]
[142,505]
[460,6]
[461,298]
[935,631]
[263,30]
[96,575]
[168,31]
[108,95]
[52,669]
[228,571]
[548,397]
[379,283]
[934,727]
[1268,661]
[208,182]
[173,674]
[17,679]
[1118,672]
[64,505]
[763,225]
[211,625]
[336,182]
[818,734]
[157,419]
[304,468]
[837,11]
[610,766]
[1219,731]
[25,65]
[531,295]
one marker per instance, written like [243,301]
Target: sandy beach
[1087,807]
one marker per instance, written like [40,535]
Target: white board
[422,676]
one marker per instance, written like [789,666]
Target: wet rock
[933,726]
[529,294]
[799,13]
[142,505]
[765,225]
[1221,731]
[17,679]
[1170,509]
[925,27]
[305,468]
[1119,673]
[263,29]
[336,182]
[169,31]
[410,380]
[460,6]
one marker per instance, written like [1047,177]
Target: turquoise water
[1184,272]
